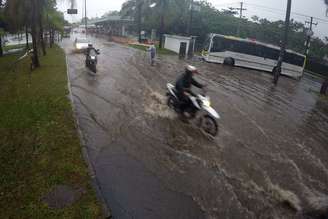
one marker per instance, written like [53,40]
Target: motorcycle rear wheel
[93,68]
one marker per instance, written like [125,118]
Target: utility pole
[85,17]
[139,8]
[241,9]
[191,17]
[277,69]
[161,28]
[309,35]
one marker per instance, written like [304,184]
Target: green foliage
[56,19]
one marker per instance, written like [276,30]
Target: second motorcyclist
[91,57]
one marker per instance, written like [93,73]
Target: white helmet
[191,68]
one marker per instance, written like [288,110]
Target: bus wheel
[229,61]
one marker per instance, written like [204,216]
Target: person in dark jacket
[183,86]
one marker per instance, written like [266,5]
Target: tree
[164,6]
[324,87]
[133,8]
[255,18]
[56,23]
[2,26]
[111,13]
[139,9]
[42,6]
[31,15]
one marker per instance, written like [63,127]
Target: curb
[91,169]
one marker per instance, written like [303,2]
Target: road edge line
[91,169]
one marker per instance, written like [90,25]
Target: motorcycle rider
[183,87]
[87,52]
[90,47]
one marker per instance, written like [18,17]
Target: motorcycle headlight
[93,58]
[207,103]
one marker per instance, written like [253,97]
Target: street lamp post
[191,17]
[277,69]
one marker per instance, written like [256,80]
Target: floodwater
[268,161]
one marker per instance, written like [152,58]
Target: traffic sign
[71,11]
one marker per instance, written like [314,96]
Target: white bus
[251,54]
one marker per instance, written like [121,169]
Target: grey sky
[271,9]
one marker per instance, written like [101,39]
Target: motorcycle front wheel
[171,102]
[209,125]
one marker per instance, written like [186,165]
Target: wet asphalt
[268,161]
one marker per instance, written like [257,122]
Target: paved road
[269,160]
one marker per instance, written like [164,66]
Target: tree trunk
[26,36]
[324,87]
[35,59]
[52,37]
[161,28]
[43,45]
[1,50]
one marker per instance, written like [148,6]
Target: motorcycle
[200,108]
[91,60]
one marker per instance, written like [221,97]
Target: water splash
[156,105]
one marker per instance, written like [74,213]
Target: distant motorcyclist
[90,47]
[91,58]
[88,51]
[183,86]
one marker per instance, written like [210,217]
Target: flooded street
[268,161]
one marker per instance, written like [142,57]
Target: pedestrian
[152,51]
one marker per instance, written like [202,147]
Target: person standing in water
[152,51]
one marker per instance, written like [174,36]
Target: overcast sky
[271,9]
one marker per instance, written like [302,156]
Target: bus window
[218,45]
[270,53]
[294,59]
[249,48]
